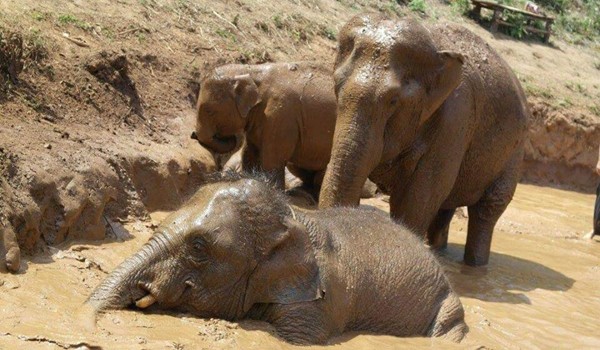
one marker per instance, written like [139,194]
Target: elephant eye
[199,244]
[207,110]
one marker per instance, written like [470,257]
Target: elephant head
[224,101]
[235,244]
[389,80]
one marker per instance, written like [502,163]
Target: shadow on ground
[504,280]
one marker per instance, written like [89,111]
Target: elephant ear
[445,79]
[287,271]
[245,92]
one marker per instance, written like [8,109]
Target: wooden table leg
[477,12]
[548,31]
[495,18]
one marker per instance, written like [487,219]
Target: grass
[68,19]
[533,90]
[328,33]
[40,16]
[577,87]
[298,27]
[418,6]
[225,33]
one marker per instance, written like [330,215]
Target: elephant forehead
[207,205]
[383,33]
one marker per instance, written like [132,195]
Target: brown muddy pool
[541,290]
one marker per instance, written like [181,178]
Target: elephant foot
[13,259]
[476,260]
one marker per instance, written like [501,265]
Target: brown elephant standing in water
[434,116]
[286,111]
[238,250]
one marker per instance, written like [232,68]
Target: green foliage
[68,19]
[298,27]
[417,6]
[555,5]
[461,6]
[39,16]
[328,33]
[586,24]
[226,34]
[517,20]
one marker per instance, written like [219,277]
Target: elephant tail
[449,322]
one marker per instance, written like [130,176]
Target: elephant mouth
[146,301]
[148,298]
[218,143]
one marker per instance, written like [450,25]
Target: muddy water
[540,290]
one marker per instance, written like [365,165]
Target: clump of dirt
[11,54]
[561,149]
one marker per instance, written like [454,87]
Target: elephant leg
[250,158]
[301,323]
[484,214]
[437,234]
[306,176]
[255,160]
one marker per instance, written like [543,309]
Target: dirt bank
[562,148]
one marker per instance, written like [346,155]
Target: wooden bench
[499,10]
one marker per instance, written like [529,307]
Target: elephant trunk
[357,149]
[122,287]
[214,142]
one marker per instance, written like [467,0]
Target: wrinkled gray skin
[432,115]
[238,250]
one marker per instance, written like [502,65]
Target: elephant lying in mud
[286,111]
[432,115]
[238,250]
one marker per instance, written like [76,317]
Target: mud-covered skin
[286,110]
[432,115]
[238,250]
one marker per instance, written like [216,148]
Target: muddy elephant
[239,250]
[432,115]
[286,111]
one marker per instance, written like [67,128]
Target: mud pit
[540,290]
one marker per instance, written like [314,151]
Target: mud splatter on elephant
[239,250]
[434,116]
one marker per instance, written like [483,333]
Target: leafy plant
[66,19]
[417,6]
[461,6]
[517,21]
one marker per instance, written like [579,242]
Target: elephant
[433,116]
[285,110]
[239,250]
